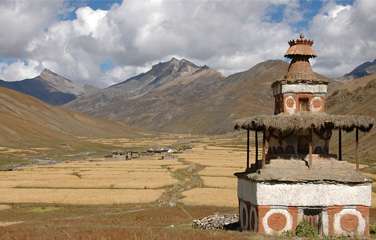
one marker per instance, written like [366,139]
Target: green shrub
[287,235]
[305,230]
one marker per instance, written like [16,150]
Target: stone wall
[276,208]
[304,194]
[274,220]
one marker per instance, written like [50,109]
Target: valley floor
[152,197]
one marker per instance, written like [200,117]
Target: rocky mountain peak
[47,74]
[174,60]
[59,83]
[51,76]
[362,70]
[176,65]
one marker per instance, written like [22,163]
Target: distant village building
[297,179]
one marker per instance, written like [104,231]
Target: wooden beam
[256,146]
[263,149]
[340,144]
[357,148]
[247,150]
[310,148]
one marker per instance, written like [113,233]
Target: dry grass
[147,142]
[85,182]
[4,207]
[220,171]
[6,224]
[210,197]
[200,181]
[103,181]
[220,182]
[7,150]
[131,222]
[214,157]
[79,196]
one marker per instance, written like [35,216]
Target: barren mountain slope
[48,87]
[25,119]
[362,70]
[357,96]
[196,101]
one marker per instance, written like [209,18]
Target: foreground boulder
[217,221]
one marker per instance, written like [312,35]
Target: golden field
[142,180]
[93,197]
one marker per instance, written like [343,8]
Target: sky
[102,42]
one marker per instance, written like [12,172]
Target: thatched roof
[306,120]
[300,46]
[300,49]
[290,171]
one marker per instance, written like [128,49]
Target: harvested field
[220,182]
[4,207]
[145,198]
[215,156]
[84,182]
[210,197]
[79,196]
[217,174]
[136,181]
[220,171]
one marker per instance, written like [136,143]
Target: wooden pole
[356,148]
[256,145]
[247,150]
[266,150]
[263,149]
[340,144]
[310,147]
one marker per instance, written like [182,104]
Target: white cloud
[227,35]
[345,36]
[22,20]
[20,70]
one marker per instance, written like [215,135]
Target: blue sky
[308,8]
[94,4]
[275,13]
[103,42]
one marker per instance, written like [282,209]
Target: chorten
[297,179]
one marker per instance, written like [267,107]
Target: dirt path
[187,178]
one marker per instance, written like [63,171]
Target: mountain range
[179,96]
[182,97]
[49,87]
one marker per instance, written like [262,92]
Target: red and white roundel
[290,103]
[349,221]
[316,104]
[277,221]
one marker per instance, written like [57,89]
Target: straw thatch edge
[307,120]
